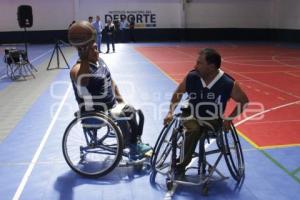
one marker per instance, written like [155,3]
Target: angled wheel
[161,135]
[233,153]
[92,145]
[161,158]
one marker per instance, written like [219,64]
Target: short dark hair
[212,57]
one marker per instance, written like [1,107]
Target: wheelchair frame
[164,158]
[101,145]
[17,64]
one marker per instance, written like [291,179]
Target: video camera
[13,55]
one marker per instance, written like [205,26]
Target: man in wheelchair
[209,90]
[95,90]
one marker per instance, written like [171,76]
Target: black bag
[132,128]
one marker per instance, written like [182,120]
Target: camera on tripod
[13,55]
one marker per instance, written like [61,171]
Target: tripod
[57,49]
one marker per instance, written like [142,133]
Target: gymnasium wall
[160,20]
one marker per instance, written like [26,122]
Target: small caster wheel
[205,190]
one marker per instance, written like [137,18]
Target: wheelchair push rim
[92,145]
[162,156]
[233,153]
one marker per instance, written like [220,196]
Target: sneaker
[138,151]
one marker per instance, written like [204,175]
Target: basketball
[81,33]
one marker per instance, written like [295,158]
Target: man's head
[209,61]
[90,19]
[97,18]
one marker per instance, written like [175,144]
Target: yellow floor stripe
[162,71]
[265,147]
[239,132]
[248,140]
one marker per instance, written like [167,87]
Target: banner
[141,18]
[145,15]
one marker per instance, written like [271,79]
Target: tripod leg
[64,57]
[51,57]
[57,55]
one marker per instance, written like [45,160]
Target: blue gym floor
[32,164]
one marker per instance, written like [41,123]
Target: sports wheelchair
[93,144]
[212,146]
[17,64]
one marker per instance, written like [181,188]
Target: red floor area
[270,75]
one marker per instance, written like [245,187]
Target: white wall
[228,13]
[167,13]
[57,14]
[47,14]
[286,14]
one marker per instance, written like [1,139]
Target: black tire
[161,158]
[233,153]
[165,129]
[94,136]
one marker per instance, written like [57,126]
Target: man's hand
[83,52]
[168,118]
[227,124]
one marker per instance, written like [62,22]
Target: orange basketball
[81,33]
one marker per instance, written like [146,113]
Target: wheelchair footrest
[126,163]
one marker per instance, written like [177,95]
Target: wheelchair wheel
[161,158]
[165,129]
[233,154]
[92,145]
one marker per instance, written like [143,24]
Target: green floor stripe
[280,166]
[296,171]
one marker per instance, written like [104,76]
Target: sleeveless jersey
[208,101]
[98,94]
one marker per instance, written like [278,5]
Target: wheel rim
[91,145]
[233,154]
[161,161]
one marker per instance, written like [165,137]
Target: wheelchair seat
[168,150]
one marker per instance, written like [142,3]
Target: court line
[275,121]
[296,171]
[280,166]
[37,154]
[162,71]
[246,119]
[169,194]
[265,84]
[285,64]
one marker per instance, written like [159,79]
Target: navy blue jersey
[98,94]
[208,101]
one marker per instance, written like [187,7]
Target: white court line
[266,111]
[40,148]
[35,59]
[169,194]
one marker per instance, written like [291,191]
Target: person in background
[131,29]
[90,19]
[99,27]
[123,27]
[110,31]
